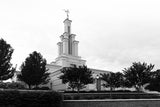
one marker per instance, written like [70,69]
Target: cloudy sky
[112,33]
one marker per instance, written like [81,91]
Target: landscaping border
[113,103]
[29,98]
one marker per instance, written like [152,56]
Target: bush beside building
[29,98]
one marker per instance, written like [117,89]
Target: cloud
[112,34]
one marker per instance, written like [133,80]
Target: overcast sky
[112,33]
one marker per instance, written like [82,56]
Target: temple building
[67,57]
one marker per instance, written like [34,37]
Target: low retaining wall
[117,95]
[113,103]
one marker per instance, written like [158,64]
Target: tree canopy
[6,69]
[112,80]
[33,70]
[154,84]
[76,77]
[137,75]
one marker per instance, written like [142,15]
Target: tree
[120,79]
[137,75]
[33,70]
[154,84]
[76,77]
[112,80]
[6,69]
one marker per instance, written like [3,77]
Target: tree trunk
[111,89]
[1,79]
[140,88]
[136,88]
[29,86]
[78,89]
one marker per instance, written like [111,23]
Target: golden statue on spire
[67,12]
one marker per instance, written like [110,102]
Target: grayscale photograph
[79,53]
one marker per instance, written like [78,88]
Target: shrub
[12,85]
[153,87]
[41,88]
[15,85]
[76,97]
[67,97]
[30,98]
[3,85]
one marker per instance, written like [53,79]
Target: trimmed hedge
[12,85]
[129,95]
[105,91]
[41,88]
[30,98]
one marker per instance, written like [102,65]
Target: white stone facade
[67,56]
[68,48]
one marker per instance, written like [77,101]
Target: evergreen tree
[76,77]
[33,70]
[6,69]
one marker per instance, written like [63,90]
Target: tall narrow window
[70,45]
[70,41]
[69,29]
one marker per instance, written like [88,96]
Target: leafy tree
[33,70]
[154,84]
[76,77]
[120,80]
[137,75]
[112,80]
[6,69]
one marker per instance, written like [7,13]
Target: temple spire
[68,46]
